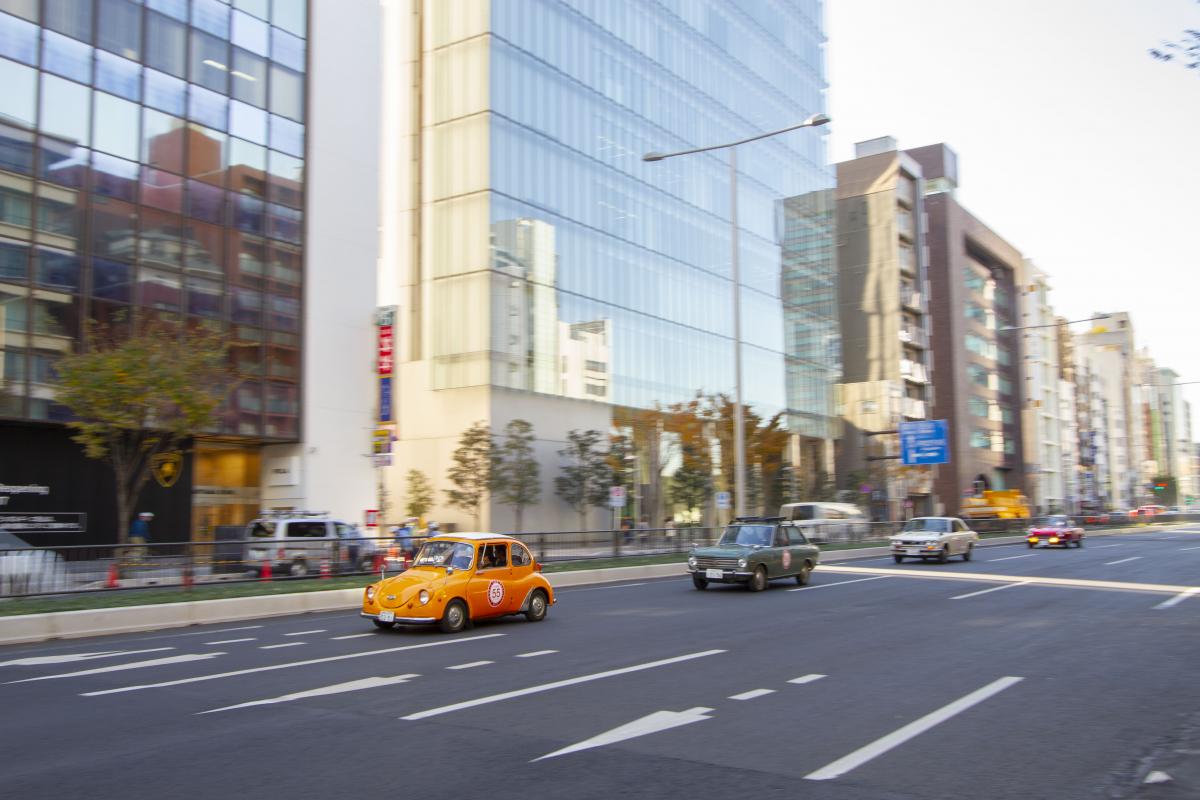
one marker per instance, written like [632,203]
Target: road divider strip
[991,577]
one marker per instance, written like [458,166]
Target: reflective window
[205,247]
[160,290]
[160,243]
[119,26]
[175,8]
[286,263]
[165,93]
[166,44]
[63,163]
[287,93]
[248,122]
[287,179]
[16,206]
[65,109]
[287,49]
[114,177]
[56,269]
[247,306]
[116,126]
[259,8]
[249,214]
[211,16]
[22,8]
[210,61]
[289,15]
[70,17]
[287,136]
[249,78]
[162,190]
[208,108]
[58,214]
[204,298]
[16,150]
[248,259]
[67,57]
[18,39]
[111,280]
[206,202]
[207,154]
[118,75]
[113,229]
[247,168]
[285,223]
[162,141]
[250,33]
[14,261]
[17,101]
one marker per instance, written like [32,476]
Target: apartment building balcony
[912,408]
[914,336]
[913,300]
[913,371]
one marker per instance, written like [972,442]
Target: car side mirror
[449,570]
[537,566]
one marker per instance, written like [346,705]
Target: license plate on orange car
[387,616]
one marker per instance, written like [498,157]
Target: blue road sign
[385,398]
[924,442]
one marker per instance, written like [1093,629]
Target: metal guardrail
[89,568]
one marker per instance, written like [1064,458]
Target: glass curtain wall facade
[152,159]
[605,277]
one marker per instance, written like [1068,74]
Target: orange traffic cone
[188,579]
[378,565]
[407,561]
[325,573]
[113,581]
[265,574]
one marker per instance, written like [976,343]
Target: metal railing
[183,565]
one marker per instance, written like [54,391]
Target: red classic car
[1058,529]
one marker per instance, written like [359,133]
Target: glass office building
[605,277]
[152,159]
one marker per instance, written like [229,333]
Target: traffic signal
[1160,486]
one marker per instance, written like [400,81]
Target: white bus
[829,522]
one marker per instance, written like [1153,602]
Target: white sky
[1073,143]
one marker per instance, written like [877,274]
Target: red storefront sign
[384,357]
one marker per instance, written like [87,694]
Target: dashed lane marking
[985,591]
[351,636]
[535,653]
[545,687]
[471,665]
[1185,549]
[337,688]
[154,662]
[750,695]
[306,633]
[1101,546]
[233,641]
[277,646]
[70,658]
[816,676]
[288,665]
[992,577]
[839,583]
[1121,561]
[915,728]
[1010,558]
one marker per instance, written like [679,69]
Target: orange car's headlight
[423,596]
[370,593]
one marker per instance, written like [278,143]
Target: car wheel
[758,581]
[1030,544]
[967,553]
[384,625]
[699,582]
[1079,542]
[804,574]
[537,607]
[298,568]
[944,555]
[455,617]
[898,559]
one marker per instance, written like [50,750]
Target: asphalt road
[983,680]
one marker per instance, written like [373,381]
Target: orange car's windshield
[445,554]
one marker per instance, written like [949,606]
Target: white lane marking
[816,676]
[651,723]
[39,661]
[233,641]
[277,646]
[545,687]
[599,588]
[289,665]
[1099,546]
[535,653]
[337,688]
[306,633]
[351,636]
[471,665]
[1185,549]
[1177,599]
[750,695]
[1121,561]
[915,728]
[839,583]
[985,591]
[995,577]
[1010,558]
[154,662]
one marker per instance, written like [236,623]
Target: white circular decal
[787,559]
[495,592]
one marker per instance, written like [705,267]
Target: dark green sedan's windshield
[748,535]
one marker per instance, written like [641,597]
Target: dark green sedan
[755,551]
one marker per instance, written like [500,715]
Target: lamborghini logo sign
[167,468]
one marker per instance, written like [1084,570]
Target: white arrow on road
[39,661]
[651,723]
[337,688]
[154,662]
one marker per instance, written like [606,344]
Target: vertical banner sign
[385,358]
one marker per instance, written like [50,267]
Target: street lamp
[739,434]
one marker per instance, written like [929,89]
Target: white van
[296,542]
[828,522]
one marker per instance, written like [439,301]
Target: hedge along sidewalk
[180,609]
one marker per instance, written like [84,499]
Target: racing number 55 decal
[495,593]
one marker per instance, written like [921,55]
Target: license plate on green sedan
[714,574]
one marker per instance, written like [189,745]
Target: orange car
[457,578]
